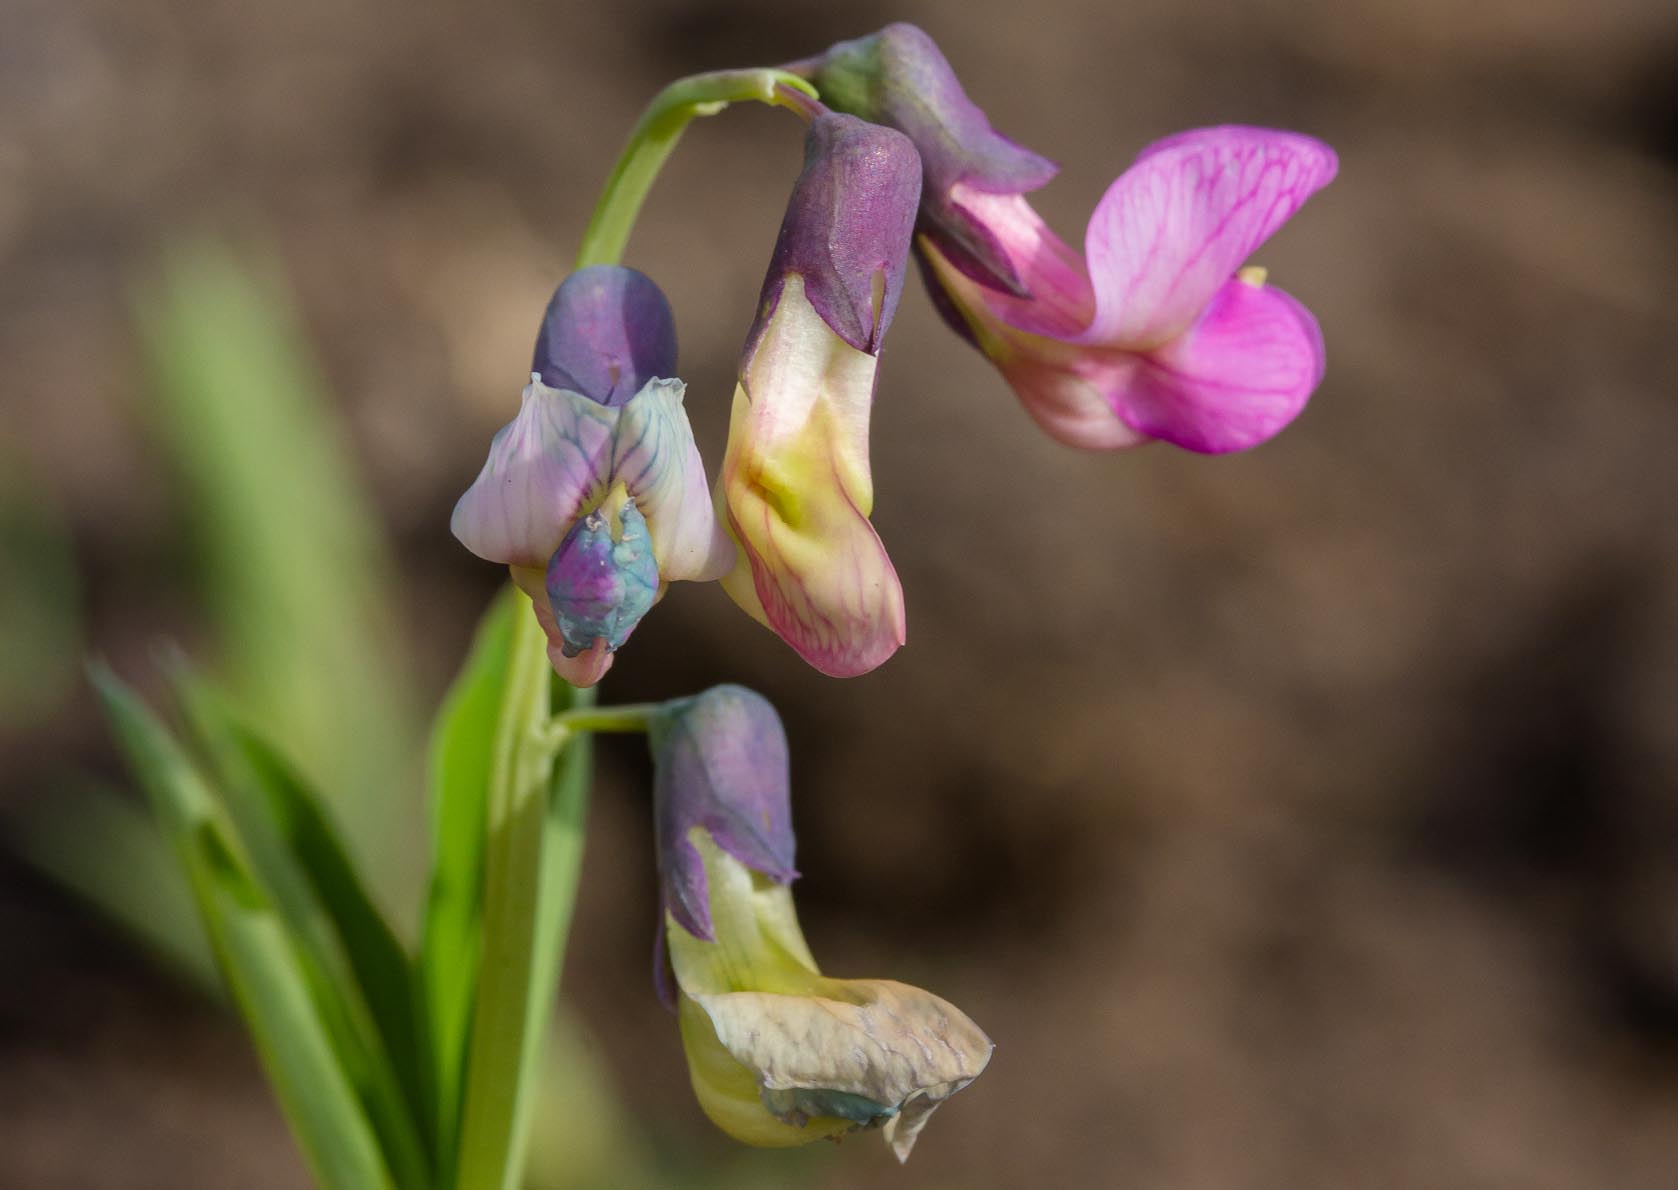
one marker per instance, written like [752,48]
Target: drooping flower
[595,495]
[795,489]
[1155,331]
[778,1054]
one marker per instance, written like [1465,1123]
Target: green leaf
[531,853]
[297,567]
[461,750]
[269,977]
[102,845]
[296,849]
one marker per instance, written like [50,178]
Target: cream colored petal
[881,1041]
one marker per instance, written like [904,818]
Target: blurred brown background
[1307,818]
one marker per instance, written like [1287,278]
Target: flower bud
[795,490]
[898,77]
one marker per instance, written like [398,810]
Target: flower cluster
[596,498]
[595,494]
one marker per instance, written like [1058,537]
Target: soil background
[1301,819]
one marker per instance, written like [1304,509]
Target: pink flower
[1156,331]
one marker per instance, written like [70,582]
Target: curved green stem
[533,846]
[656,134]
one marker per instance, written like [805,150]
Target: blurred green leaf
[101,844]
[298,569]
[269,977]
[39,599]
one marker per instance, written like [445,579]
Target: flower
[795,490]
[778,1054]
[1155,331]
[595,494]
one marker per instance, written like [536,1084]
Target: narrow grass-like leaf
[296,849]
[269,978]
[562,859]
[462,745]
[510,1001]
[297,567]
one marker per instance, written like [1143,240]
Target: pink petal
[1065,394]
[655,457]
[797,493]
[1060,302]
[1062,385]
[542,467]
[1177,224]
[1238,376]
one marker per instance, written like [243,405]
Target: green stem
[513,847]
[533,848]
[656,134]
[628,717]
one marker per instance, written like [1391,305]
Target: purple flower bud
[607,331]
[719,764]
[899,77]
[847,229]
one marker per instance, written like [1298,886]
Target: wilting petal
[607,331]
[781,1055]
[1177,224]
[544,467]
[1233,380]
[860,1052]
[797,491]
[655,457]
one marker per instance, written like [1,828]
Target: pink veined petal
[1062,386]
[1066,394]
[543,466]
[796,489]
[654,455]
[1234,379]
[1061,302]
[1177,224]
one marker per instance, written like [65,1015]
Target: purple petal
[1238,376]
[607,331]
[719,764]
[847,229]
[543,467]
[1178,223]
[898,77]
